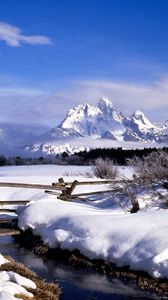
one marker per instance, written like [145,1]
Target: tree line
[118,155]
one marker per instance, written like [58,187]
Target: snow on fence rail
[63,190]
[31,186]
[67,195]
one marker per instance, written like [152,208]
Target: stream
[76,283]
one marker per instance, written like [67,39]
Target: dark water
[76,284]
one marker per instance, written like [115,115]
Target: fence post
[66,194]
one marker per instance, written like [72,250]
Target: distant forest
[118,155]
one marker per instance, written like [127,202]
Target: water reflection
[77,284]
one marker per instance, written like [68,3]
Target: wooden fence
[61,189]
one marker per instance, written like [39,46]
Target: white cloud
[151,98]
[20,91]
[145,96]
[19,104]
[14,37]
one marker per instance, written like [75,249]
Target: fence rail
[61,189]
[31,186]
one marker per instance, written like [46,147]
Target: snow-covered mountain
[88,120]
[139,128]
[105,121]
[99,122]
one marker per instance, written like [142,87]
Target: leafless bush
[105,168]
[151,168]
[86,174]
[130,192]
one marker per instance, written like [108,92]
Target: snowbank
[138,240]
[12,283]
[101,229]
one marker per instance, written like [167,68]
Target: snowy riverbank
[103,229]
[18,282]
[138,240]
[11,283]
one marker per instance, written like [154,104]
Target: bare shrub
[104,168]
[151,168]
[86,174]
[130,192]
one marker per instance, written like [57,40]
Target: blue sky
[55,54]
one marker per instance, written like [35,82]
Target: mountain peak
[104,103]
[141,122]
[138,114]
[102,121]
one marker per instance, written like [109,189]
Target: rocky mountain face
[88,120]
[103,121]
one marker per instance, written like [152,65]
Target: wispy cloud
[151,98]
[20,91]
[26,105]
[14,37]
[128,95]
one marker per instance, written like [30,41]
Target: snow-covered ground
[103,228]
[12,284]
[85,143]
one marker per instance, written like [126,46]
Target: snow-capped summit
[139,118]
[78,113]
[105,104]
[139,128]
[89,120]
[103,121]
[98,121]
[81,119]
[109,111]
